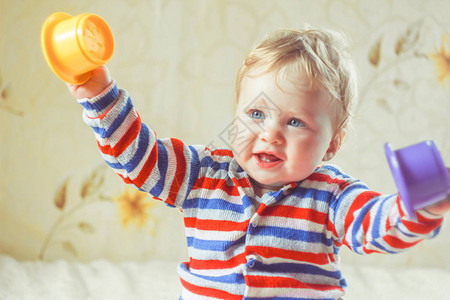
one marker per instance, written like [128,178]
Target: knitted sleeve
[165,168]
[367,221]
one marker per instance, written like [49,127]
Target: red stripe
[366,223]
[332,228]
[388,225]
[358,203]
[420,228]
[243,182]
[398,202]
[365,226]
[367,251]
[328,179]
[208,292]
[222,152]
[432,223]
[294,213]
[214,184]
[131,134]
[127,180]
[104,114]
[270,252]
[423,226]
[285,282]
[180,171]
[216,225]
[395,242]
[106,149]
[233,262]
[147,167]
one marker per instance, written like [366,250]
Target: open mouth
[267,160]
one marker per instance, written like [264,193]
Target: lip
[266,164]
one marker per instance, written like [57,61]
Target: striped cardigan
[286,248]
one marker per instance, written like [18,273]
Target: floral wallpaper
[133,208]
[178,59]
[442,60]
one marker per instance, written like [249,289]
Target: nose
[271,133]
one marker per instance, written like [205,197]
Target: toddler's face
[282,132]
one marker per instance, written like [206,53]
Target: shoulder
[330,177]
[218,158]
[332,173]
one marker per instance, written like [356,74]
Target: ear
[335,145]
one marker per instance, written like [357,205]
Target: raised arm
[165,168]
[368,221]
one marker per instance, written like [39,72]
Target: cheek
[308,150]
[242,138]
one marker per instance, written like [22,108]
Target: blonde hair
[321,53]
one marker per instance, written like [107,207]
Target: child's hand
[441,207]
[99,81]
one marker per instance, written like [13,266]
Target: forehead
[291,90]
[286,82]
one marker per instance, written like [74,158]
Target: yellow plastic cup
[74,46]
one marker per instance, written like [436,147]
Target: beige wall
[178,59]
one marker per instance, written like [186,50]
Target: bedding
[158,280]
[97,280]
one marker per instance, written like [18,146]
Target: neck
[261,189]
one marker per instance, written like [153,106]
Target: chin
[271,183]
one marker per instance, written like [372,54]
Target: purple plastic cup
[420,175]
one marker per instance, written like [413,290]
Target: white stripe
[291,223]
[216,255]
[216,194]
[214,235]
[293,292]
[187,295]
[234,288]
[287,244]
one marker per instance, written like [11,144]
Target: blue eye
[257,114]
[296,123]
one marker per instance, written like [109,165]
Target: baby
[266,218]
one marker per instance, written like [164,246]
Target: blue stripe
[375,233]
[336,172]
[115,165]
[99,130]
[194,167]
[119,120]
[208,162]
[380,247]
[359,220]
[343,283]
[291,268]
[144,137]
[379,215]
[318,195]
[143,144]
[213,203]
[234,278]
[102,103]
[378,226]
[246,202]
[162,167]
[377,221]
[291,234]
[213,245]
[358,188]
